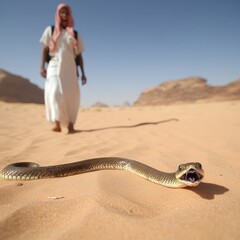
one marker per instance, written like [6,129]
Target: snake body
[189,174]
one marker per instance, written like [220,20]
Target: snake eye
[199,165]
[180,167]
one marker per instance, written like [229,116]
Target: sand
[118,204]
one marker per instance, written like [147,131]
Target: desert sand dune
[118,204]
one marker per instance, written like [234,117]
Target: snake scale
[188,174]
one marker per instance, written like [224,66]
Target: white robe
[62,94]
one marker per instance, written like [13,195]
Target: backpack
[77,60]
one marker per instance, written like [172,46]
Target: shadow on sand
[209,190]
[128,126]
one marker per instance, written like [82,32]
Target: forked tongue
[192,180]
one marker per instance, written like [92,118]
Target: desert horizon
[13,88]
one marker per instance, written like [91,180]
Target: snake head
[190,174]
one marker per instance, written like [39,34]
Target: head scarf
[58,28]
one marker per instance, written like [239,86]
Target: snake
[186,175]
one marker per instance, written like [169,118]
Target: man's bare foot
[71,129]
[57,127]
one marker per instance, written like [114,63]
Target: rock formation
[188,90]
[14,88]
[99,105]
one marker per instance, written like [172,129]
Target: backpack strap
[52,28]
[76,34]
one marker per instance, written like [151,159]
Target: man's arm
[45,52]
[81,64]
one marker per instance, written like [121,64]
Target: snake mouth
[191,176]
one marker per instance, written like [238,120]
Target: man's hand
[84,79]
[43,72]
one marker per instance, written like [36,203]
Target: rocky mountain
[99,105]
[188,90]
[15,88]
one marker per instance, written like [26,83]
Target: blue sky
[130,45]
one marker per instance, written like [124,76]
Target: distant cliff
[188,90]
[99,105]
[14,88]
